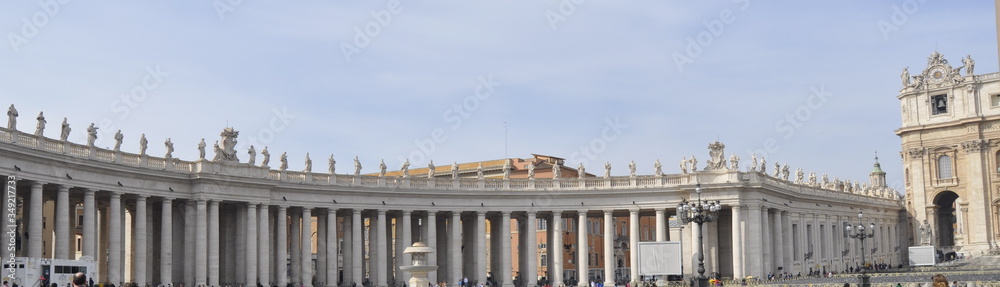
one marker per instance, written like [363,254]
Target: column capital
[633,210]
[381,212]
[407,212]
[480,213]
[63,187]
[114,194]
[35,184]
[91,191]
[610,211]
[505,212]
[531,212]
[356,211]
[583,211]
[140,197]
[282,207]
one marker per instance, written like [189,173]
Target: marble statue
[631,168]
[694,163]
[12,118]
[331,165]
[734,162]
[41,124]
[717,154]
[283,159]
[430,169]
[267,157]
[777,170]
[684,165]
[799,175]
[228,138]
[970,65]
[454,170]
[218,151]
[479,171]
[381,167]
[405,168]
[253,155]
[926,233]
[556,171]
[201,149]
[785,172]
[905,77]
[357,166]
[657,168]
[143,143]
[118,140]
[826,182]
[506,169]
[812,178]
[763,165]
[65,130]
[753,162]
[309,164]
[607,169]
[170,148]
[531,170]
[91,134]
[581,171]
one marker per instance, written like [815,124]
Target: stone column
[779,244]
[766,241]
[62,223]
[281,251]
[431,240]
[455,246]
[582,250]
[115,239]
[356,230]
[738,242]
[381,278]
[530,272]
[753,242]
[307,267]
[633,240]
[189,242]
[321,263]
[786,231]
[251,240]
[480,246]
[405,241]
[35,222]
[661,226]
[331,248]
[696,248]
[506,265]
[609,249]
[140,241]
[90,223]
[166,242]
[201,243]
[556,249]
[213,243]
[263,245]
[295,248]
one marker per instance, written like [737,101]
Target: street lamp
[859,233]
[699,212]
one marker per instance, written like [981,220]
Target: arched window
[944,167]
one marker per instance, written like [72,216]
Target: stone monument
[419,268]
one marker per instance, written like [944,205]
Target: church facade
[951,155]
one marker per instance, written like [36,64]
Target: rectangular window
[939,104]
[79,244]
[995,100]
[544,260]
[79,220]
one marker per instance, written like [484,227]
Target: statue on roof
[284,161]
[430,169]
[41,124]
[684,165]
[479,171]
[694,163]
[264,153]
[607,169]
[331,165]
[228,139]
[970,65]
[405,168]
[201,149]
[763,165]
[143,143]
[253,155]
[118,140]
[309,164]
[454,170]
[812,178]
[357,166]
[531,170]
[581,171]
[170,148]
[631,168]
[506,168]
[753,162]
[657,168]
[716,153]
[556,171]
[734,162]
[905,77]
[799,175]
[91,135]
[12,118]
[65,130]
[381,167]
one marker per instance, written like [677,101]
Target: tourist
[939,281]
[79,280]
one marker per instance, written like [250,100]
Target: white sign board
[660,258]
[922,255]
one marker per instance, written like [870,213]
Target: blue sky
[809,83]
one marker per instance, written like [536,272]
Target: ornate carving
[916,152]
[975,145]
[228,139]
[716,154]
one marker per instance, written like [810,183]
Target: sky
[809,83]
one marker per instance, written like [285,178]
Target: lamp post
[699,212]
[859,233]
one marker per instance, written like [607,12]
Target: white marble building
[221,221]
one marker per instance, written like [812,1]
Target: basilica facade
[219,220]
[951,155]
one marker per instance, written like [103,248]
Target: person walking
[939,281]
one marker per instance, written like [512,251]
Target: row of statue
[935,59]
